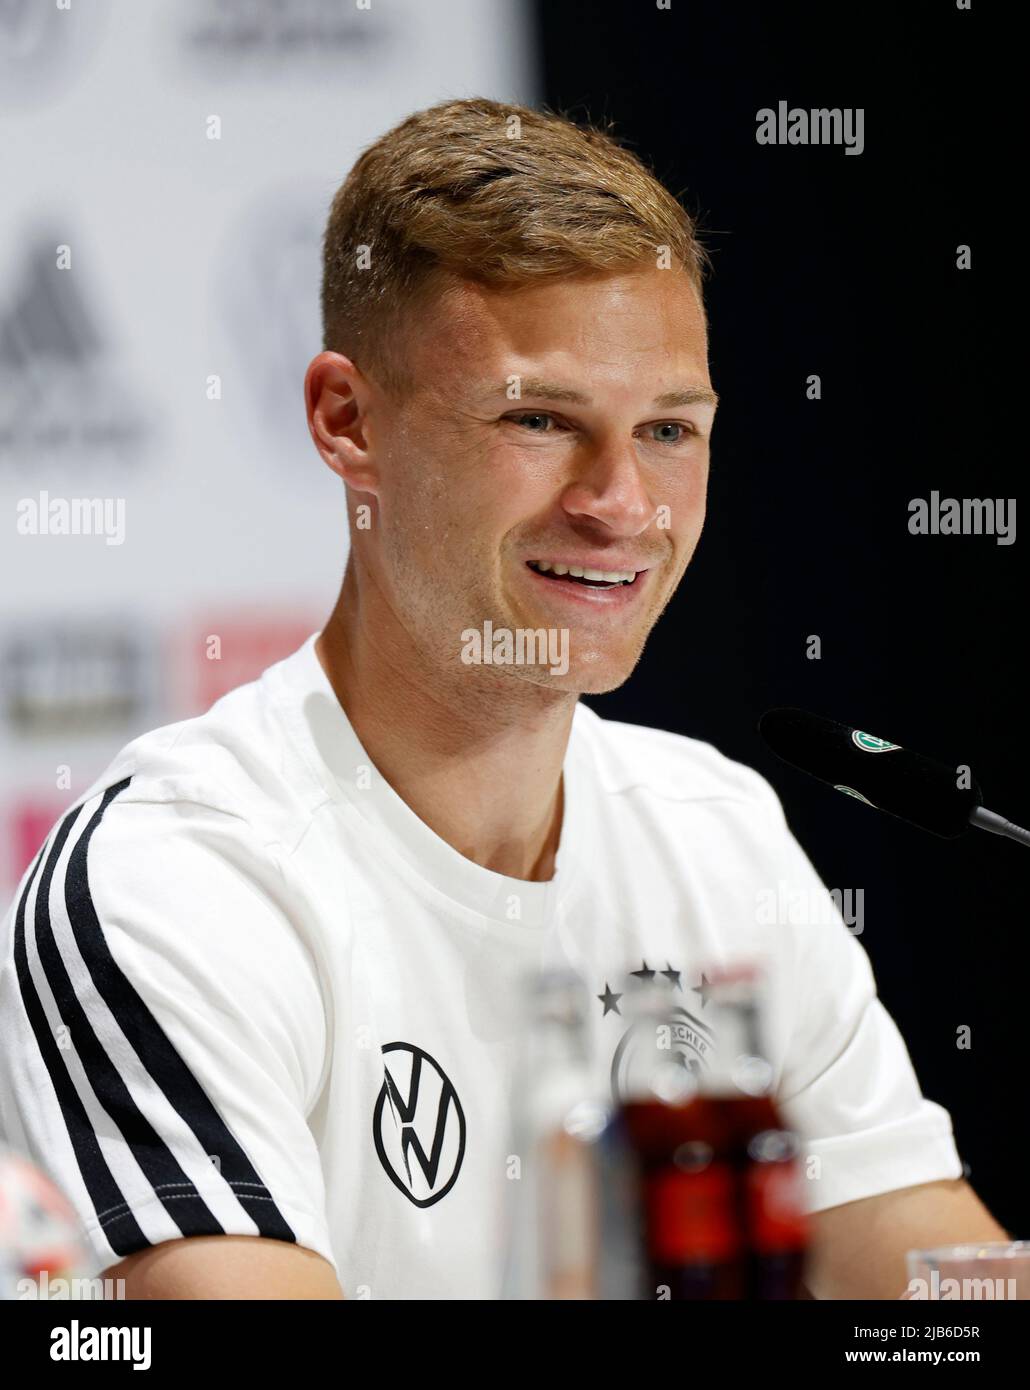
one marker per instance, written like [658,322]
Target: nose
[608,490]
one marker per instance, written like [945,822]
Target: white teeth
[576,572]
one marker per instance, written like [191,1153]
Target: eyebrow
[551,391]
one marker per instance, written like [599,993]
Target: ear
[337,397]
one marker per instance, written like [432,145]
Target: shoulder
[191,826]
[169,880]
[232,771]
[669,767]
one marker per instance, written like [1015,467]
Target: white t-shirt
[244,989]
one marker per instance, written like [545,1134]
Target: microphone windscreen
[921,790]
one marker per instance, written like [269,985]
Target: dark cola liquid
[719,1199]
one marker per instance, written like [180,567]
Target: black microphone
[920,790]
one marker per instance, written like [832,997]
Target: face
[547,471]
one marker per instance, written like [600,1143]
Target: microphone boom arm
[998,825]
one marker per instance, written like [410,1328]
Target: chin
[596,677]
[597,671]
[600,682]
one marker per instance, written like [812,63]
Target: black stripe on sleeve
[155,1051]
[120,1226]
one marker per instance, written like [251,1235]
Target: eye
[672,431]
[536,421]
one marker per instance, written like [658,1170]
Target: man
[259,991]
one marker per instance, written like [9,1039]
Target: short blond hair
[501,195]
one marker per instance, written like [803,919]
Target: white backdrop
[140,259]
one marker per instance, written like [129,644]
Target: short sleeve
[162,1029]
[847,1083]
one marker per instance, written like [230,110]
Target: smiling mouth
[592,579]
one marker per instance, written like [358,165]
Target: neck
[475,752]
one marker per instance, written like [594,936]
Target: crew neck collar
[319,722]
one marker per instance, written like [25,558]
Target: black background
[844,266]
